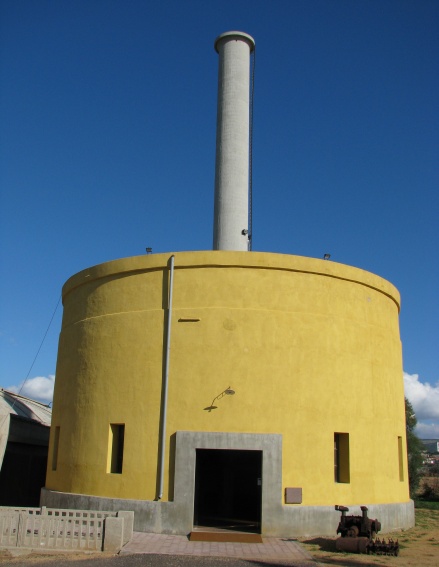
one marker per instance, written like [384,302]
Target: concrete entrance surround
[176,516]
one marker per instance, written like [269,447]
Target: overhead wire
[250,173]
[41,344]
[35,358]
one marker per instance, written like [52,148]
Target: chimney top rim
[236,35]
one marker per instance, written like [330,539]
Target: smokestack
[230,230]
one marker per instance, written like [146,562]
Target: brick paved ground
[281,550]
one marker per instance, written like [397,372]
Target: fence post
[128,525]
[22,526]
[113,534]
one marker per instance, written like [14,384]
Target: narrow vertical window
[341,458]
[115,448]
[400,460]
[55,448]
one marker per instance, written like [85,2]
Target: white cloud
[38,388]
[424,398]
[427,430]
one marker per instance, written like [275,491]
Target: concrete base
[301,521]
[277,520]
[224,536]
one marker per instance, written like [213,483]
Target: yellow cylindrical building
[283,395]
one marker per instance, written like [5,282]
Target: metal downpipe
[165,384]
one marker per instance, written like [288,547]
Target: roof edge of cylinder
[237,35]
[230,259]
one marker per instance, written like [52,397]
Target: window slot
[115,448]
[341,458]
[55,448]
[400,460]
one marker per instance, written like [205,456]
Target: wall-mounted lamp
[149,250]
[326,256]
[227,392]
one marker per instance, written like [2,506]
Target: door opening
[228,489]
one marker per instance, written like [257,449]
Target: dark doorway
[228,489]
[22,474]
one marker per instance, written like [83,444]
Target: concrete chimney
[230,230]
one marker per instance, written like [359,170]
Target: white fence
[50,528]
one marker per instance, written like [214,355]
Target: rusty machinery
[358,534]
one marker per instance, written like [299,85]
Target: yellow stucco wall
[310,347]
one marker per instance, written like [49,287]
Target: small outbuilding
[24,439]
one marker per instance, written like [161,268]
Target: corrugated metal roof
[24,407]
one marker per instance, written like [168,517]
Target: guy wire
[250,173]
[35,358]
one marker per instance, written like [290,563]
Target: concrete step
[224,536]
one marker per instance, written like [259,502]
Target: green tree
[414,449]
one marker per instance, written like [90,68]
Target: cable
[250,173]
[35,358]
[39,348]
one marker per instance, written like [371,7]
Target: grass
[418,545]
[426,505]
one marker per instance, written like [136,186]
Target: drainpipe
[165,384]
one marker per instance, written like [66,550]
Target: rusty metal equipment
[381,547]
[358,534]
[357,526]
[352,544]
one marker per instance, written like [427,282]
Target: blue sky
[108,115]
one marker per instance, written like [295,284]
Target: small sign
[293,496]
